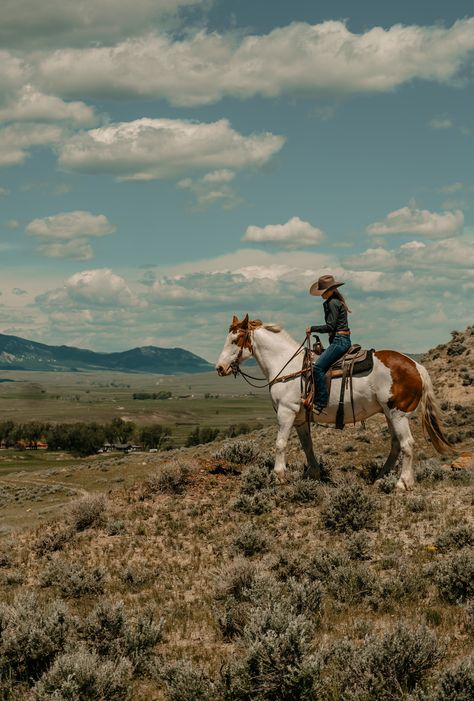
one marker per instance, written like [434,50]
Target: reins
[236,369]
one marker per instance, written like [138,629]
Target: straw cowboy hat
[325,282]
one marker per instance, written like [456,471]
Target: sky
[165,164]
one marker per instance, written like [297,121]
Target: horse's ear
[235,321]
[245,322]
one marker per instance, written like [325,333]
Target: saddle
[356,361]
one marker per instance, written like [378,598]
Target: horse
[396,386]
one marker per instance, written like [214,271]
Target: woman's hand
[308,330]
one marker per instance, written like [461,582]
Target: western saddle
[355,361]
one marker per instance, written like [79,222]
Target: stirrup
[319,409]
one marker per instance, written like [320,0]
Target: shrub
[387,484]
[272,663]
[457,682]
[31,635]
[349,508]
[136,575]
[239,452]
[173,478]
[53,538]
[6,555]
[257,504]
[185,683]
[455,576]
[456,537]
[429,471]
[303,491]
[236,579]
[249,540]
[256,479]
[87,512]
[358,546]
[115,527]
[72,579]
[305,596]
[112,633]
[83,676]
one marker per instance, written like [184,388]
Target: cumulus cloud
[372,257]
[68,22]
[66,235]
[433,255]
[31,105]
[441,123]
[90,288]
[17,139]
[212,188]
[294,234]
[70,225]
[321,59]
[409,220]
[148,149]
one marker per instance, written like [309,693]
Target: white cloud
[17,139]
[452,188]
[147,149]
[409,220]
[294,234]
[212,188]
[4,192]
[66,235]
[31,105]
[69,22]
[321,59]
[70,225]
[372,257]
[91,288]
[413,245]
[441,123]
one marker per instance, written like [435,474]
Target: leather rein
[245,341]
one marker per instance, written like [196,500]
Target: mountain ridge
[18,353]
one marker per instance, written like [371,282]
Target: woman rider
[335,315]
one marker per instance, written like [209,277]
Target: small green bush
[358,546]
[257,478]
[173,478]
[53,538]
[72,579]
[87,512]
[303,491]
[429,470]
[455,576]
[240,452]
[249,540]
[256,504]
[349,508]
[83,676]
[455,538]
[31,635]
[457,682]
[185,683]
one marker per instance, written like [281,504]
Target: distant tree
[119,431]
[7,429]
[202,435]
[154,436]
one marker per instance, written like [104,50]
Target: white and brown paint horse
[396,386]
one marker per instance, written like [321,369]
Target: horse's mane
[253,324]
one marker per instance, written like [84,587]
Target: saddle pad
[360,367]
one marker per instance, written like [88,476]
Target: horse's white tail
[430,415]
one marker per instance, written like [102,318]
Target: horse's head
[238,344]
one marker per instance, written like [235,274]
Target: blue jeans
[335,350]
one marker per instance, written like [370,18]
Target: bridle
[244,340]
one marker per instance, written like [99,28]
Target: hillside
[20,354]
[191,576]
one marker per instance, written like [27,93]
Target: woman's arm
[331,318]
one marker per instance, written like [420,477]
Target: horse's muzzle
[223,371]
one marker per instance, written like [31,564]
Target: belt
[344,332]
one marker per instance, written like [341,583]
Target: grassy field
[201,399]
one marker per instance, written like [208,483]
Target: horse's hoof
[403,486]
[280,477]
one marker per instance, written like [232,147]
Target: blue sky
[165,164]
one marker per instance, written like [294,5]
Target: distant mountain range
[19,354]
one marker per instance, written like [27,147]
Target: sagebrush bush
[173,478]
[53,538]
[113,633]
[249,540]
[358,546]
[455,576]
[6,554]
[137,574]
[72,579]
[186,683]
[350,507]
[302,491]
[271,666]
[83,676]
[240,452]
[387,484]
[429,470]
[236,579]
[256,504]
[257,478]
[87,512]
[457,682]
[456,537]
[31,635]
[381,669]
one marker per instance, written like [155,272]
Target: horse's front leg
[286,419]
[313,470]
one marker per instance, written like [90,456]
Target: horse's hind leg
[312,470]
[395,448]
[400,425]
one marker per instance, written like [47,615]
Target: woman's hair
[340,297]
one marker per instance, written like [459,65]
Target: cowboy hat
[325,282]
